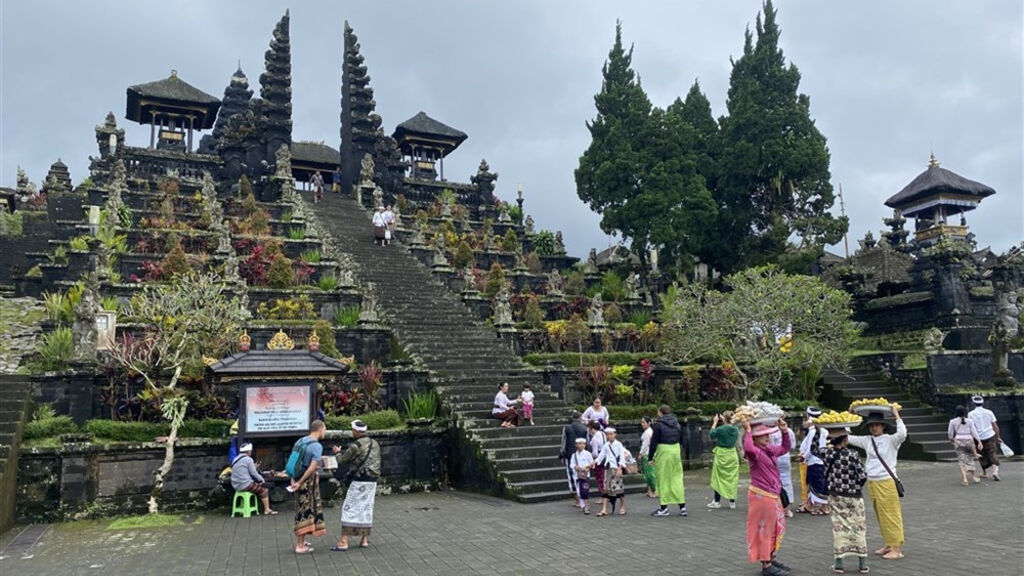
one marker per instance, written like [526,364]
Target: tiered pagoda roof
[423,128]
[172,94]
[935,186]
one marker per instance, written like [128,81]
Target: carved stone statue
[418,237]
[632,288]
[503,216]
[556,284]
[502,309]
[595,315]
[440,260]
[484,180]
[468,281]
[933,339]
[559,243]
[1004,330]
[83,331]
[22,182]
[368,309]
[366,172]
[528,225]
[378,196]
[446,206]
[283,162]
[590,266]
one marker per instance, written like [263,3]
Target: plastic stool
[244,504]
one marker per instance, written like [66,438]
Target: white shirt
[501,403]
[983,419]
[527,397]
[589,415]
[888,448]
[775,439]
[389,216]
[582,459]
[805,446]
[596,443]
[612,455]
[378,219]
[645,442]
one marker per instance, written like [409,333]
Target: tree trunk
[164,469]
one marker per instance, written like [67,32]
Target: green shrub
[60,306]
[421,405]
[286,216]
[281,274]
[544,243]
[383,420]
[11,225]
[34,272]
[509,242]
[347,316]
[612,313]
[206,428]
[176,262]
[533,263]
[110,303]
[296,233]
[310,256]
[495,280]
[533,315]
[54,350]
[328,344]
[79,244]
[118,431]
[640,318]
[49,427]
[463,255]
[327,282]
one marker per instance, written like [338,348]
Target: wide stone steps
[15,399]
[465,356]
[926,430]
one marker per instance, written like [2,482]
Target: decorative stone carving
[366,172]
[418,239]
[933,339]
[368,309]
[283,162]
[378,197]
[503,215]
[484,180]
[446,207]
[83,330]
[595,315]
[468,281]
[559,243]
[281,341]
[528,225]
[275,118]
[590,266]
[1004,329]
[632,288]
[502,309]
[556,284]
[440,260]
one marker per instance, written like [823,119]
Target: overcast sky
[889,82]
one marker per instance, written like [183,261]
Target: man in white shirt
[988,430]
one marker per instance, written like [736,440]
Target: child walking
[846,479]
[581,463]
[527,396]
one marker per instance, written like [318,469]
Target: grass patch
[152,521]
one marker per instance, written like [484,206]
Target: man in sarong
[309,513]
[988,430]
[363,459]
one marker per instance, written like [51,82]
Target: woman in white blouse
[645,455]
[596,413]
[505,409]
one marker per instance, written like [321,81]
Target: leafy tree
[495,280]
[191,317]
[509,242]
[774,327]
[463,255]
[774,163]
[639,171]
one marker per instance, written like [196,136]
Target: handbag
[1006,450]
[899,485]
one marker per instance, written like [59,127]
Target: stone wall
[38,229]
[955,368]
[80,480]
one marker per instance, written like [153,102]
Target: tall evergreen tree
[638,171]
[773,162]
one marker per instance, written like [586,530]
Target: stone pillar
[694,436]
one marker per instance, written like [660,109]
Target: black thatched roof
[277,363]
[171,95]
[313,153]
[937,180]
[424,128]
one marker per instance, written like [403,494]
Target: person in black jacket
[666,456]
[570,432]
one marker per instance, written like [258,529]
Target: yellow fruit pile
[744,413]
[833,417]
[874,402]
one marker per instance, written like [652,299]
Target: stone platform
[460,533]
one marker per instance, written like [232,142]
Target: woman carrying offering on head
[882,446]
[766,522]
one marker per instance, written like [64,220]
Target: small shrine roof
[304,152]
[278,363]
[936,180]
[171,95]
[424,127]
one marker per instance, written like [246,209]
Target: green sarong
[725,472]
[648,470]
[668,474]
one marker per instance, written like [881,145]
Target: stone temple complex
[455,306]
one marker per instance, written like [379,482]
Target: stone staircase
[467,362]
[15,399]
[926,429]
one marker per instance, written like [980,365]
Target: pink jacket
[764,473]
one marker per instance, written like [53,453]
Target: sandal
[366,545]
[890,556]
[305,550]
[837,570]
[882,551]
[339,548]
[622,512]
[270,513]
[602,513]
[586,511]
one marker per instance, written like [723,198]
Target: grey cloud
[889,82]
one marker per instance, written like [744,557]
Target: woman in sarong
[645,456]
[846,478]
[766,522]
[725,469]
[666,448]
[882,448]
[964,436]
[505,409]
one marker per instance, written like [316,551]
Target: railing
[146,163]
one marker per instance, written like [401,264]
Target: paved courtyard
[950,530]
